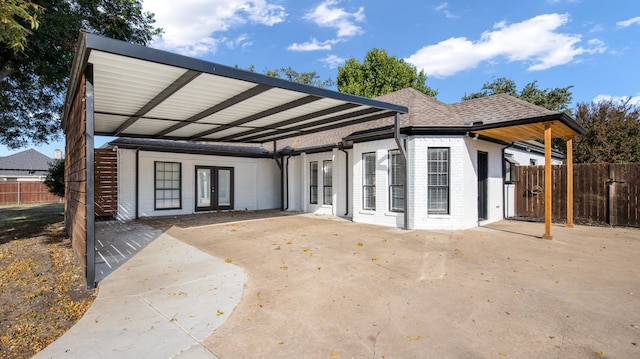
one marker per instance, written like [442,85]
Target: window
[313,182]
[511,173]
[396,181]
[369,181]
[533,162]
[167,185]
[327,189]
[438,180]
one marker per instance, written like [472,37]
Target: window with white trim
[438,180]
[327,182]
[396,181]
[511,173]
[168,187]
[313,182]
[369,181]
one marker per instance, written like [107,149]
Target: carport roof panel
[165,95]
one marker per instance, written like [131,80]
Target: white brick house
[454,178]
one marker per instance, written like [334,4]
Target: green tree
[308,78]
[13,16]
[55,178]
[557,99]
[380,74]
[33,81]
[613,132]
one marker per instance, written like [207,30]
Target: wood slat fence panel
[25,193]
[603,193]
[106,182]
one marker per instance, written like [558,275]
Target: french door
[214,188]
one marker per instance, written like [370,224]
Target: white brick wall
[256,182]
[381,215]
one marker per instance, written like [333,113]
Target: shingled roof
[428,114]
[26,163]
[497,108]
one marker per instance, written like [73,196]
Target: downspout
[403,151]
[279,163]
[346,178]
[504,183]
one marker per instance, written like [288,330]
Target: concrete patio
[321,287]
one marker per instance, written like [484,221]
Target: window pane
[396,181]
[167,185]
[313,182]
[327,179]
[368,181]
[438,180]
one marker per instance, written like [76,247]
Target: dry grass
[41,285]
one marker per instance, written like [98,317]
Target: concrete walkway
[161,303]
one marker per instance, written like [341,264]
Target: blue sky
[591,45]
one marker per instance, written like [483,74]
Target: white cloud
[534,41]
[333,61]
[629,22]
[633,100]
[192,27]
[328,15]
[443,8]
[312,45]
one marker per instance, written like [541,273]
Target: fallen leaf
[219,313]
[600,353]
[334,356]
[360,244]
[229,260]
[374,258]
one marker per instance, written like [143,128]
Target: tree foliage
[557,99]
[308,78]
[33,81]
[380,74]
[613,132]
[55,178]
[14,15]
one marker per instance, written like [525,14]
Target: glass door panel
[224,187]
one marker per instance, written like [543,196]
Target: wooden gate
[603,193]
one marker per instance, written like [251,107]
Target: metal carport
[122,89]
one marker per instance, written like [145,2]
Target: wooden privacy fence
[106,182]
[26,192]
[602,193]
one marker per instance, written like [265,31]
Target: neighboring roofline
[88,42]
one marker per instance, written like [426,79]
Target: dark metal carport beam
[325,128]
[179,83]
[275,126]
[254,91]
[272,111]
[324,121]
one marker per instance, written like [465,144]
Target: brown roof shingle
[425,112]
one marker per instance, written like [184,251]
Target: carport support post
[90,180]
[547,182]
[570,182]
